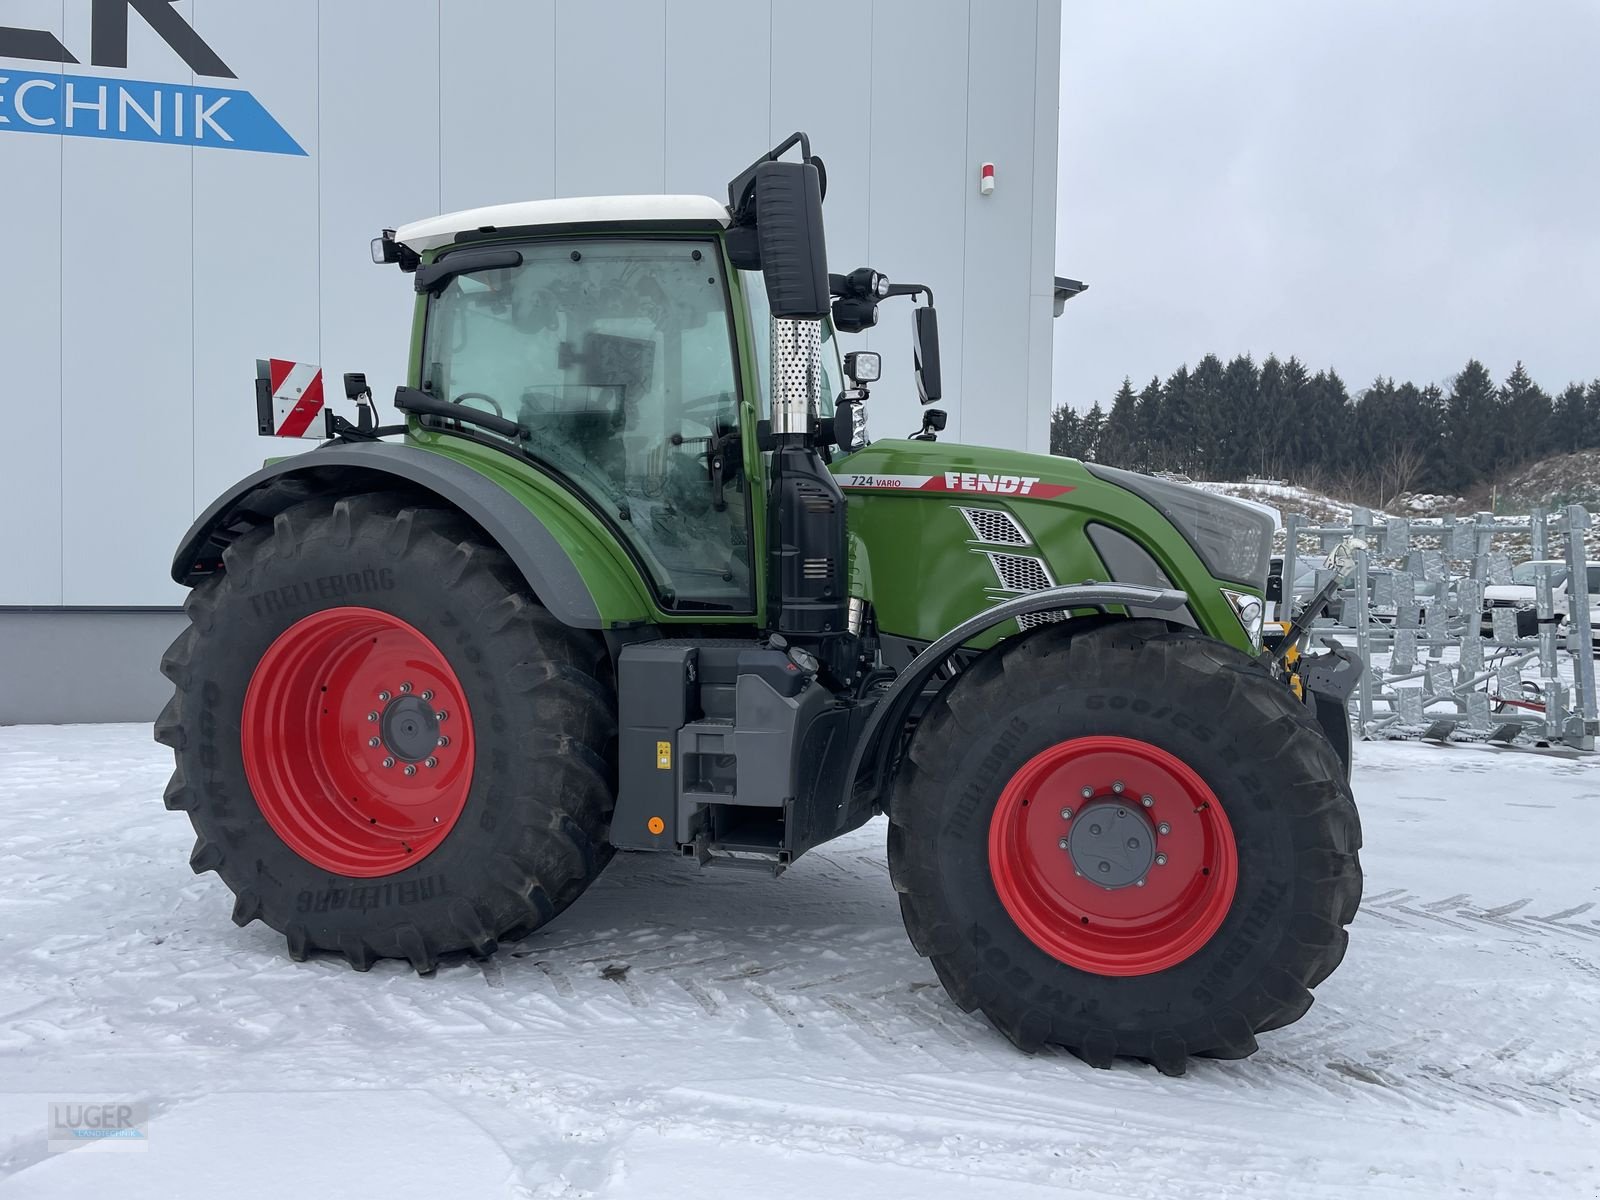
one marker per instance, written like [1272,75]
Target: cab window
[616,357]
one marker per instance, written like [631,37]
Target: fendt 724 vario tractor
[630,576]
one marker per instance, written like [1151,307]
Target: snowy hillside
[688,1034]
[1565,479]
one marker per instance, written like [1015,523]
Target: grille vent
[995,527]
[1030,620]
[1020,572]
[817,568]
[815,499]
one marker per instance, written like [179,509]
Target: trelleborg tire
[386,746]
[1126,840]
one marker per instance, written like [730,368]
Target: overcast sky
[1380,186]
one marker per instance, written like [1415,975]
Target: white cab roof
[425,235]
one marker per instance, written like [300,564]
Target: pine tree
[1293,435]
[1266,431]
[1471,439]
[1205,407]
[1118,438]
[1172,444]
[1524,420]
[1148,423]
[1065,432]
[1237,414]
[1567,417]
[1091,430]
[1431,424]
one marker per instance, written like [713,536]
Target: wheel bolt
[1147,801]
[1117,787]
[1133,843]
[430,761]
[411,768]
[444,741]
[427,695]
[1161,860]
[405,687]
[1163,828]
[384,697]
[1062,844]
[388,762]
[372,716]
[1105,867]
[1138,883]
[374,742]
[1087,792]
[443,716]
[1066,814]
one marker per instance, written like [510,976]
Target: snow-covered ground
[680,1033]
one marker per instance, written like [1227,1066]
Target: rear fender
[552,570]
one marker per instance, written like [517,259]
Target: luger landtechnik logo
[135,110]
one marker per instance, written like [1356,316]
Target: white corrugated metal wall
[142,280]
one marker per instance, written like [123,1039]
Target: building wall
[143,280]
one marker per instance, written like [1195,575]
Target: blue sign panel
[137,110]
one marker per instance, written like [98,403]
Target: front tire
[387,748]
[1125,840]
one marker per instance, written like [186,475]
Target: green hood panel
[925,566]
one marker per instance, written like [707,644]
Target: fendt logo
[1005,485]
[134,110]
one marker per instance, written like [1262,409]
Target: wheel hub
[409,727]
[344,743]
[1112,855]
[1112,845]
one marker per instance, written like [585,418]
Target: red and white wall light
[986,179]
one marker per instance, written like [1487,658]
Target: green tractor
[630,576]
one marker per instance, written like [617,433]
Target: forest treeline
[1221,421]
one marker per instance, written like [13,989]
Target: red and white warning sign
[289,398]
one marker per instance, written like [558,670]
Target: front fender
[880,739]
[572,592]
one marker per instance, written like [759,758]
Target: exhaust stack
[796,374]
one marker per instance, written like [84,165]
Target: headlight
[1234,540]
[1249,611]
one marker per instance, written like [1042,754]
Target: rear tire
[1191,953]
[484,823]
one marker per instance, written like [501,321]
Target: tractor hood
[978,525]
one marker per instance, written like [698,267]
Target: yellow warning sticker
[663,756]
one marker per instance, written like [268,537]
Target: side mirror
[1275,588]
[794,260]
[926,345]
[863,366]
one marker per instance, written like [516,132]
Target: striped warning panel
[294,398]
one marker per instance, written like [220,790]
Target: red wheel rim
[1041,865]
[331,685]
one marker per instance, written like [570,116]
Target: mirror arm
[909,289]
